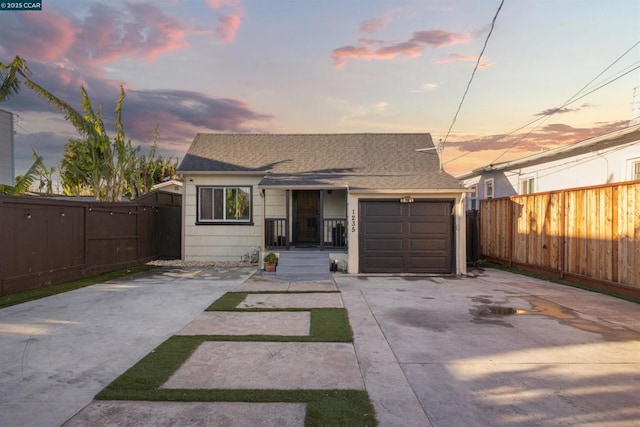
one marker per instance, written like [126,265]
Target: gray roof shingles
[359,161]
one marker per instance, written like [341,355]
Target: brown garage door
[406,237]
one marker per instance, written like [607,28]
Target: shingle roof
[362,161]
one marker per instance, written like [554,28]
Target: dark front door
[306,205]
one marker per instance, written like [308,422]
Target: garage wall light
[407,199]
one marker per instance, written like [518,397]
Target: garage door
[406,237]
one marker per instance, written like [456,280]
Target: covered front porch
[305,218]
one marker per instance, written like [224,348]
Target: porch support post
[288,220]
[321,219]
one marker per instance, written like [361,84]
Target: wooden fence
[591,234]
[46,241]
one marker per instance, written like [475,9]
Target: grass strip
[560,281]
[143,381]
[34,294]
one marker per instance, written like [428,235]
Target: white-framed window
[224,205]
[472,198]
[633,169]
[527,185]
[488,189]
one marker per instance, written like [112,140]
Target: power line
[569,101]
[464,95]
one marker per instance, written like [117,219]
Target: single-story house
[372,200]
[170,186]
[604,159]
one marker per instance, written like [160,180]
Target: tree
[96,162]
[24,182]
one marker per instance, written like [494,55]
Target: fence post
[563,233]
[511,231]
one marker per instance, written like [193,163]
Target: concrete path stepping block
[269,365]
[128,413]
[250,323]
[313,286]
[308,300]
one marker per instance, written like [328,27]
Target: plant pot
[269,267]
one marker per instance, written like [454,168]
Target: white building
[7,168]
[605,159]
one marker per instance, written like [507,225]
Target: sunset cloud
[546,137]
[374,25]
[228,22]
[411,48]
[454,57]
[37,35]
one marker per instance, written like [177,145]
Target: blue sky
[330,67]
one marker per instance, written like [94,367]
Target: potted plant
[270,262]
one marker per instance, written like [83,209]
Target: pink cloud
[108,34]
[228,25]
[411,48]
[47,36]
[374,25]
[454,57]
[440,38]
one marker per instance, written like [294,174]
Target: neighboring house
[613,157]
[7,168]
[371,200]
[171,186]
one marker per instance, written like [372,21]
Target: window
[488,189]
[527,186]
[636,171]
[224,205]
[472,201]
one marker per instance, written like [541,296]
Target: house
[371,200]
[171,186]
[7,168]
[613,157]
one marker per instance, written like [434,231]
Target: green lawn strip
[560,281]
[324,407]
[22,297]
[230,300]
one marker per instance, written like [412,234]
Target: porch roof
[356,161]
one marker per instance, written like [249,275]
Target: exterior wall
[220,242]
[596,168]
[7,169]
[334,204]
[459,240]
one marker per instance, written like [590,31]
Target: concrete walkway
[302,266]
[499,349]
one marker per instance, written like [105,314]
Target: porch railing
[333,236]
[335,232]
[276,233]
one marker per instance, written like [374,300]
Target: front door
[306,210]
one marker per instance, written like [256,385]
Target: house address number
[353,220]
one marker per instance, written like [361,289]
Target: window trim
[486,187]
[473,197]
[224,221]
[527,185]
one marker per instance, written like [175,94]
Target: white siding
[334,204]
[220,242]
[596,168]
[7,172]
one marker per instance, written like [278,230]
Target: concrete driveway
[57,353]
[496,350]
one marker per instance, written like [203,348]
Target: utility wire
[486,41]
[555,110]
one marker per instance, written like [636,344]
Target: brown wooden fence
[44,242]
[591,234]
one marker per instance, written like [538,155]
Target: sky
[331,66]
